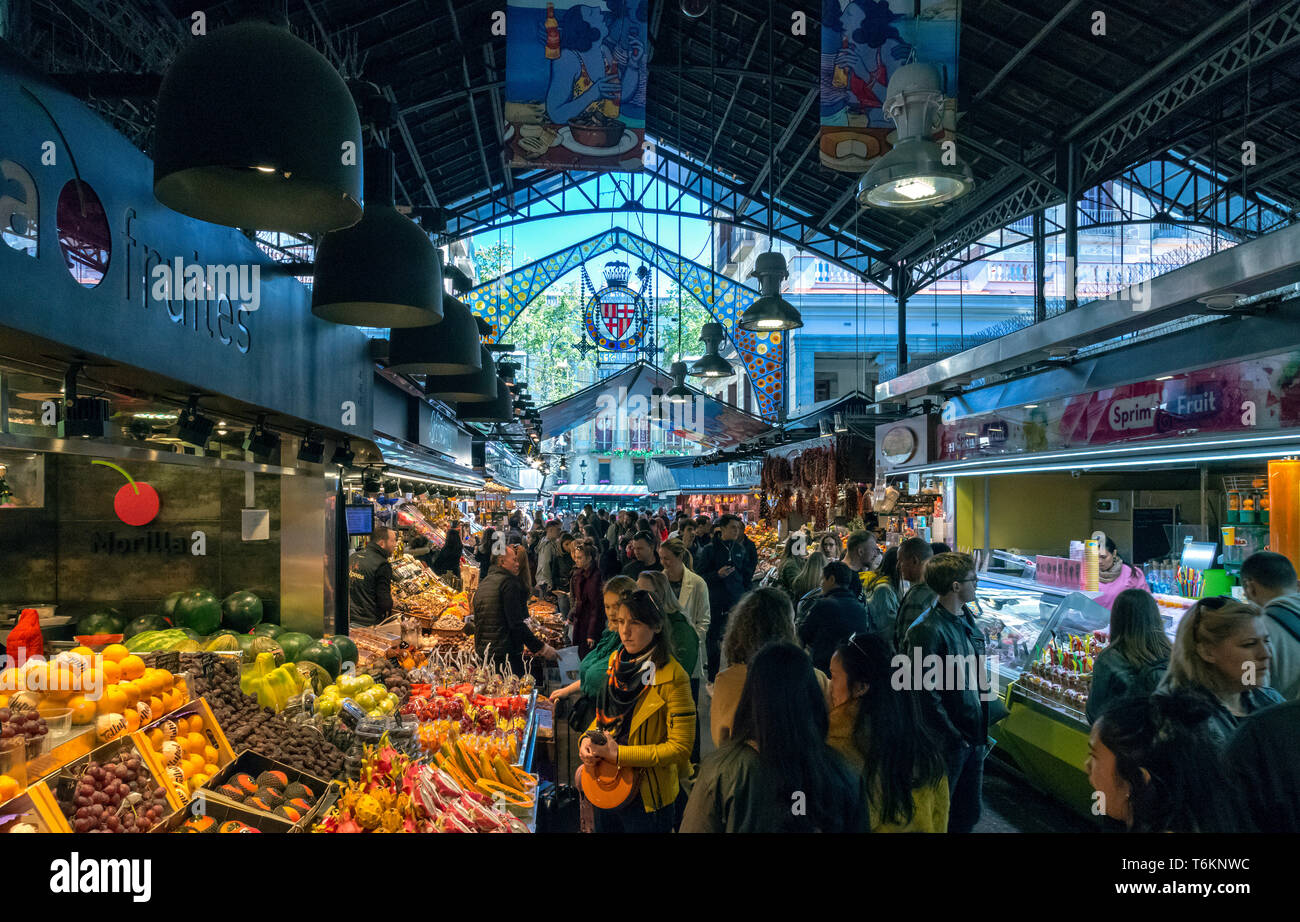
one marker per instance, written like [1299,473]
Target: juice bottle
[552,34]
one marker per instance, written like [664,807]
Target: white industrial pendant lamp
[914,173]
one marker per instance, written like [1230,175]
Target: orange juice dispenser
[1284,508]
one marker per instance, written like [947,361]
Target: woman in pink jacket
[1116,575]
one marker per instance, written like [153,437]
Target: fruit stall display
[247,726]
[112,790]
[395,793]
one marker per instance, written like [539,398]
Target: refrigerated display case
[1045,731]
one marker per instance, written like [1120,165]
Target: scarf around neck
[1112,573]
[625,681]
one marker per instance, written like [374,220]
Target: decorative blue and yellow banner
[576,77]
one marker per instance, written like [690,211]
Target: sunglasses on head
[854,639]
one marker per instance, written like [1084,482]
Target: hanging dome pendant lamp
[253,130]
[383,271]
[913,174]
[474,387]
[711,364]
[770,312]
[449,348]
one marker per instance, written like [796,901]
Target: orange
[132,720]
[115,652]
[4,701]
[156,706]
[210,769]
[196,723]
[194,744]
[187,769]
[209,753]
[167,679]
[9,788]
[84,652]
[113,701]
[197,781]
[12,679]
[156,739]
[132,667]
[131,691]
[111,672]
[83,711]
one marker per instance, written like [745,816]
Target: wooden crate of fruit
[218,816]
[258,783]
[35,808]
[112,789]
[186,747]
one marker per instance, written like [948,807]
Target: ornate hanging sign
[616,317]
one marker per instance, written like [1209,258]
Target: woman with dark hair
[830,547]
[487,547]
[645,719]
[448,559]
[584,589]
[762,616]
[1155,767]
[1116,576]
[777,774]
[1138,654]
[883,592]
[880,730]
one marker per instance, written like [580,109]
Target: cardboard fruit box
[222,812]
[63,785]
[36,807]
[149,737]
[254,764]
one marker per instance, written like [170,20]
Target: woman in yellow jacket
[646,716]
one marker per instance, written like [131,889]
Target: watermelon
[245,641]
[324,655]
[103,621]
[347,649]
[149,641]
[145,623]
[293,643]
[241,611]
[198,610]
[167,607]
[268,630]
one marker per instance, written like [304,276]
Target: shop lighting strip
[1147,450]
[1279,452]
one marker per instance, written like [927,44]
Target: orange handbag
[609,786]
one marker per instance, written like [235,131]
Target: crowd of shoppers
[812,730]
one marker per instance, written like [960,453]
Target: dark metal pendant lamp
[449,348]
[711,364]
[499,410]
[383,271]
[253,131]
[474,387]
[770,311]
[679,392]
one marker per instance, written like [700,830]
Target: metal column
[1071,171]
[1040,268]
[902,282]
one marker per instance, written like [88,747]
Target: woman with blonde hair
[807,586]
[1221,653]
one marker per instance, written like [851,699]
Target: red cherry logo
[136,503]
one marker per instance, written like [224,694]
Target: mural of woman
[855,77]
[589,78]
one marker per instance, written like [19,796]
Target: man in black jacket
[833,618]
[947,648]
[1264,759]
[370,579]
[500,625]
[644,555]
[722,563]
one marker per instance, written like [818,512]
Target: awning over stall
[601,489]
[680,475]
[703,419]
